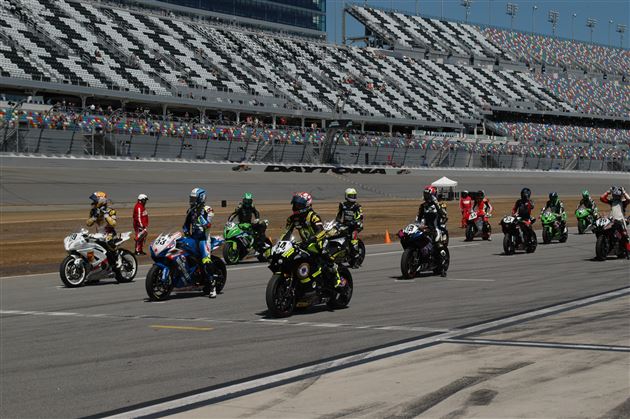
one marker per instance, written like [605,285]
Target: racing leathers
[140,224]
[590,204]
[196,225]
[248,214]
[523,209]
[350,214]
[483,208]
[618,205]
[435,217]
[104,219]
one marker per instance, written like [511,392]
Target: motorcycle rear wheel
[408,263]
[602,248]
[156,289]
[221,276]
[72,275]
[360,257]
[129,267]
[342,296]
[280,297]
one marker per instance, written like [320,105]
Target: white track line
[554,345]
[321,368]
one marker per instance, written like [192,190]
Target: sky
[493,11]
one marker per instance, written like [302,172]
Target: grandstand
[416,73]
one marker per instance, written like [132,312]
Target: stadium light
[621,29]
[466,4]
[573,16]
[610,22]
[534,8]
[591,23]
[553,19]
[511,9]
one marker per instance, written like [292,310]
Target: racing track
[75,352]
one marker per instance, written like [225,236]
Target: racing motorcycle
[87,259]
[300,279]
[177,266]
[551,223]
[339,245]
[611,238]
[240,240]
[419,254]
[585,219]
[517,235]
[477,226]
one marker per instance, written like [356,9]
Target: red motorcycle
[478,225]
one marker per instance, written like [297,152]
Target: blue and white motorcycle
[177,266]
[420,254]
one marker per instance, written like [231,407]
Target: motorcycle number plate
[411,228]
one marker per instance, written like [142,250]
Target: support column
[202,115]
[164,109]
[343,27]
[238,117]
[323,124]
[362,126]
[303,122]
[391,129]
[273,121]
[83,101]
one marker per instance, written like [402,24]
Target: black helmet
[553,197]
[526,193]
[481,194]
[465,194]
[616,192]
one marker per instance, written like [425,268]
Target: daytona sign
[324,169]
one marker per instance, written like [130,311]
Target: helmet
[99,199]
[526,193]
[248,199]
[197,197]
[351,195]
[585,194]
[616,192]
[210,213]
[429,192]
[553,197]
[481,194]
[301,202]
[464,194]
[143,197]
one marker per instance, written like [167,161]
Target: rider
[196,226]
[465,204]
[556,206]
[104,218]
[483,208]
[244,213]
[588,202]
[523,208]
[350,214]
[618,199]
[435,218]
[311,230]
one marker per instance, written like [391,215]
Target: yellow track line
[199,329]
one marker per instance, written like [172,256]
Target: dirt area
[32,242]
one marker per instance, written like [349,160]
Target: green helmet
[248,199]
[585,194]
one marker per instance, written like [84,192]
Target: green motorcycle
[552,230]
[585,219]
[243,239]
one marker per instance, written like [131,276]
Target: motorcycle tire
[343,295]
[533,243]
[602,248]
[581,227]
[156,289]
[445,264]
[360,257]
[129,267]
[280,297]
[470,233]
[68,267]
[509,248]
[408,263]
[564,237]
[221,277]
[231,254]
[546,236]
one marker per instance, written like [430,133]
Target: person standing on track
[465,204]
[140,223]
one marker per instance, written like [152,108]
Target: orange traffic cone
[387,239]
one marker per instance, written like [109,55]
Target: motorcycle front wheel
[509,248]
[602,248]
[280,297]
[156,289]
[546,236]
[231,252]
[221,275]
[129,267]
[343,295]
[72,274]
[409,263]
[532,243]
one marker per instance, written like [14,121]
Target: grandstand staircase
[441,159]
[571,164]
[98,144]
[13,140]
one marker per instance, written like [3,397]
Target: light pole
[511,9]
[553,19]
[534,8]
[621,29]
[591,23]
[489,12]
[573,16]
[10,115]
[466,4]
[610,22]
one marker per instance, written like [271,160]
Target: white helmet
[351,195]
[143,197]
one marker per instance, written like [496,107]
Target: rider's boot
[209,270]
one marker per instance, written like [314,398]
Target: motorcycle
[301,280]
[340,245]
[611,238]
[419,254]
[240,240]
[585,219]
[551,223]
[87,259]
[177,266]
[478,226]
[518,235]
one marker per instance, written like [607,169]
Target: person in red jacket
[465,204]
[140,222]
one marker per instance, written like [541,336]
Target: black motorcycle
[301,279]
[611,238]
[518,235]
[420,254]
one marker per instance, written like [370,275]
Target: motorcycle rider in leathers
[523,208]
[435,217]
[618,199]
[196,225]
[311,230]
[104,218]
[481,205]
[557,207]
[350,214]
[244,214]
[589,203]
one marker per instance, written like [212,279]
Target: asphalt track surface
[37,181]
[100,348]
